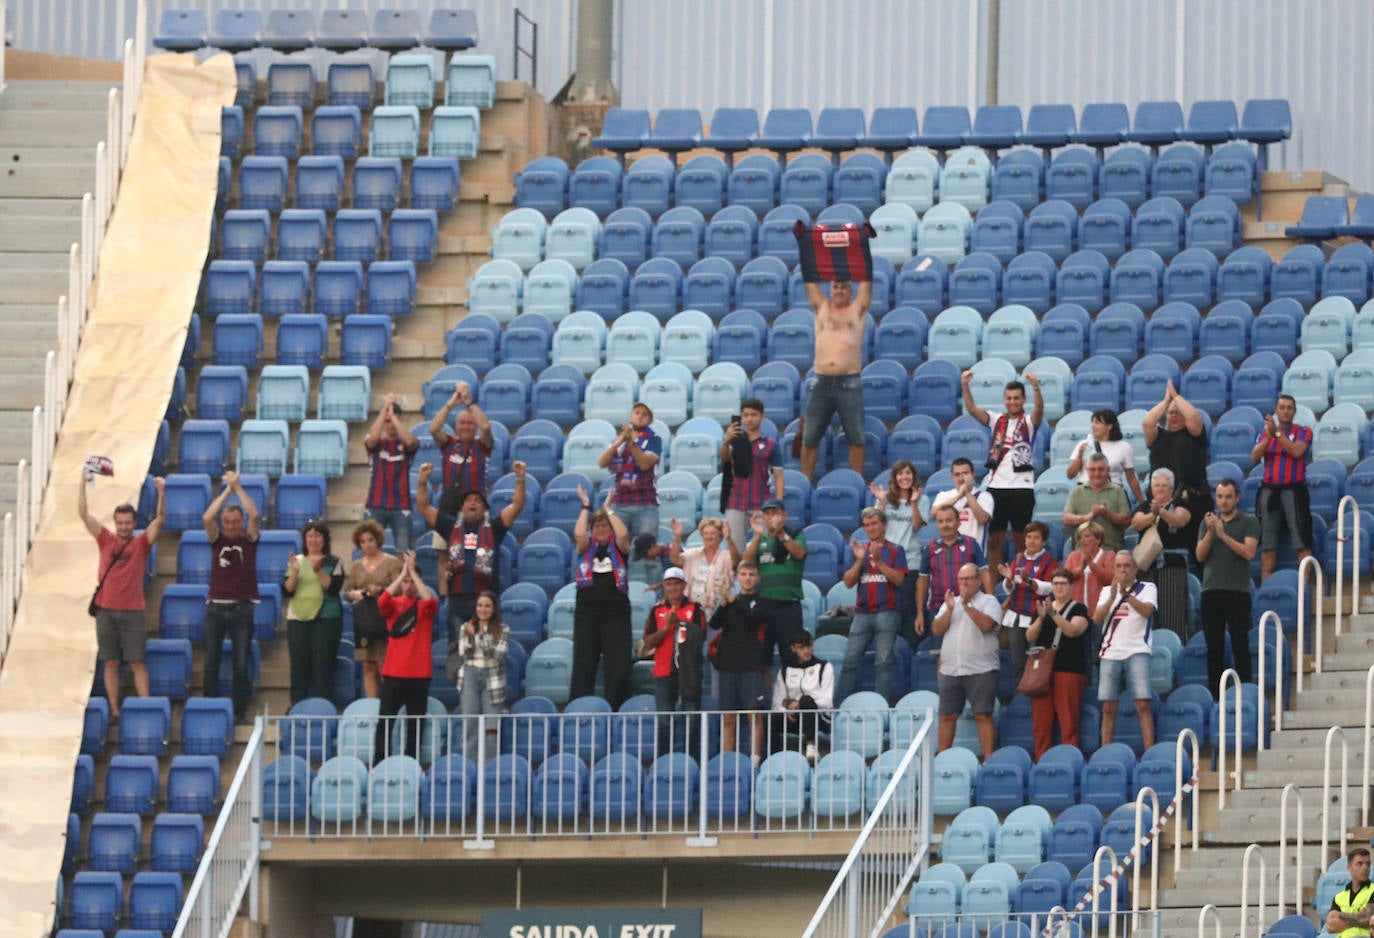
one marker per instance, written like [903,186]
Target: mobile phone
[736,418]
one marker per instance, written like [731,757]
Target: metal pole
[992,51]
[592,82]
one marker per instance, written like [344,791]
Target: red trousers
[1060,705]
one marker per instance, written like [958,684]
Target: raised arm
[88,519]
[815,296]
[971,408]
[622,533]
[422,505]
[580,533]
[1037,400]
[863,296]
[1155,415]
[517,502]
[403,431]
[374,432]
[1192,417]
[422,589]
[159,515]
[210,519]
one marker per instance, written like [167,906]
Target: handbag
[369,625]
[1038,674]
[1148,549]
[91,608]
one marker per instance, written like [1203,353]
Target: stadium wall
[804,53]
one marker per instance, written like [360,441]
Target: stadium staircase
[48,134]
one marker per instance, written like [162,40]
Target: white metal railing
[1252,851]
[1109,854]
[1141,833]
[1208,910]
[1331,734]
[1269,623]
[229,867]
[1193,799]
[1290,791]
[1229,675]
[73,309]
[1310,563]
[893,845]
[1347,502]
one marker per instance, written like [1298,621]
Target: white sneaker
[811,753]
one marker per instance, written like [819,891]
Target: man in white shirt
[967,623]
[1126,609]
[1011,454]
[973,504]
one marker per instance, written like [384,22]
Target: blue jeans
[234,620]
[641,519]
[866,627]
[475,701]
[399,523]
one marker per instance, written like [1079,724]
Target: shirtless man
[839,335]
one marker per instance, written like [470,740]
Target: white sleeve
[947,497]
[825,693]
[779,690]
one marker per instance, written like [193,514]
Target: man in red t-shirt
[121,625]
[409,609]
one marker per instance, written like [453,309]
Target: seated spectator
[463,453]
[878,571]
[476,664]
[967,622]
[409,609]
[739,654]
[1105,438]
[1061,623]
[674,633]
[1101,500]
[367,577]
[1125,608]
[1026,580]
[390,447]
[121,625]
[972,503]
[1177,437]
[752,467]
[803,694]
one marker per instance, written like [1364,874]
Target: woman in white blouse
[710,567]
[1105,438]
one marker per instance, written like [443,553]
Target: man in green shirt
[1227,541]
[780,556]
[1101,500]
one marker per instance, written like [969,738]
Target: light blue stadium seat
[718,392]
[687,339]
[944,232]
[393,792]
[283,392]
[953,777]
[965,178]
[782,786]
[345,393]
[912,180]
[954,336]
[695,447]
[395,131]
[322,447]
[262,446]
[339,789]
[969,838]
[935,898]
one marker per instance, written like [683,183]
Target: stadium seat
[471,80]
[1051,227]
[95,899]
[1105,227]
[395,131]
[782,786]
[1321,216]
[1072,176]
[155,901]
[1126,175]
[623,130]
[1298,274]
[321,448]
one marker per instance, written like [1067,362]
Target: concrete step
[1297,747]
[1228,878]
[1310,795]
[1255,825]
[1304,778]
[56,95]
[1347,681]
[34,261]
[16,435]
[27,315]
[21,382]
[1182,922]
[38,233]
[28,287]
[48,180]
[1325,718]
[21,207]
[57,130]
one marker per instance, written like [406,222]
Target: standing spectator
[1101,500]
[675,632]
[121,625]
[1026,581]
[878,571]
[1090,563]
[477,666]
[967,623]
[905,509]
[1171,511]
[781,557]
[1061,623]
[710,567]
[409,609]
[633,459]
[840,321]
[601,616]
[368,577]
[1283,500]
[1126,609]
[1105,438]
[1227,542]
[233,536]
[938,574]
[752,461]
[739,653]
[974,506]
[474,543]
[1176,435]
[314,616]
[1011,459]
[390,448]
[465,452]
[802,694]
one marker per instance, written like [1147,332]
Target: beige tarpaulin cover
[150,269]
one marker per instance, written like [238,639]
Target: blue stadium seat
[1214,223]
[1298,274]
[284,288]
[1001,782]
[1126,175]
[301,236]
[145,726]
[338,790]
[376,185]
[859,181]
[1075,835]
[299,498]
[394,131]
[366,341]
[344,393]
[1173,332]
[291,83]
[155,901]
[230,287]
[1233,173]
[349,81]
[341,30]
[1191,277]
[1072,177]
[1051,227]
[322,448]
[391,287]
[596,185]
[1321,216]
[943,127]
[337,130]
[1106,779]
[286,789]
[623,130]
[177,842]
[277,131]
[231,132]
[245,235]
[95,899]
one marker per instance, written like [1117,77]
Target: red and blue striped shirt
[875,593]
[1023,594]
[633,485]
[941,562]
[465,464]
[749,494]
[389,487]
[1279,467]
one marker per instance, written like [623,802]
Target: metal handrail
[1097,889]
[1310,563]
[1154,856]
[1252,850]
[1340,557]
[1272,617]
[1326,786]
[1295,792]
[126,117]
[1202,914]
[1191,736]
[1228,675]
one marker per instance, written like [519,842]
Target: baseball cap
[674,573]
[773,503]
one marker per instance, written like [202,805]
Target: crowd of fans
[735,597]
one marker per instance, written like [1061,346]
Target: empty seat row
[331,287]
[470,80]
[263,446]
[336,30]
[1331,216]
[455,132]
[96,901]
